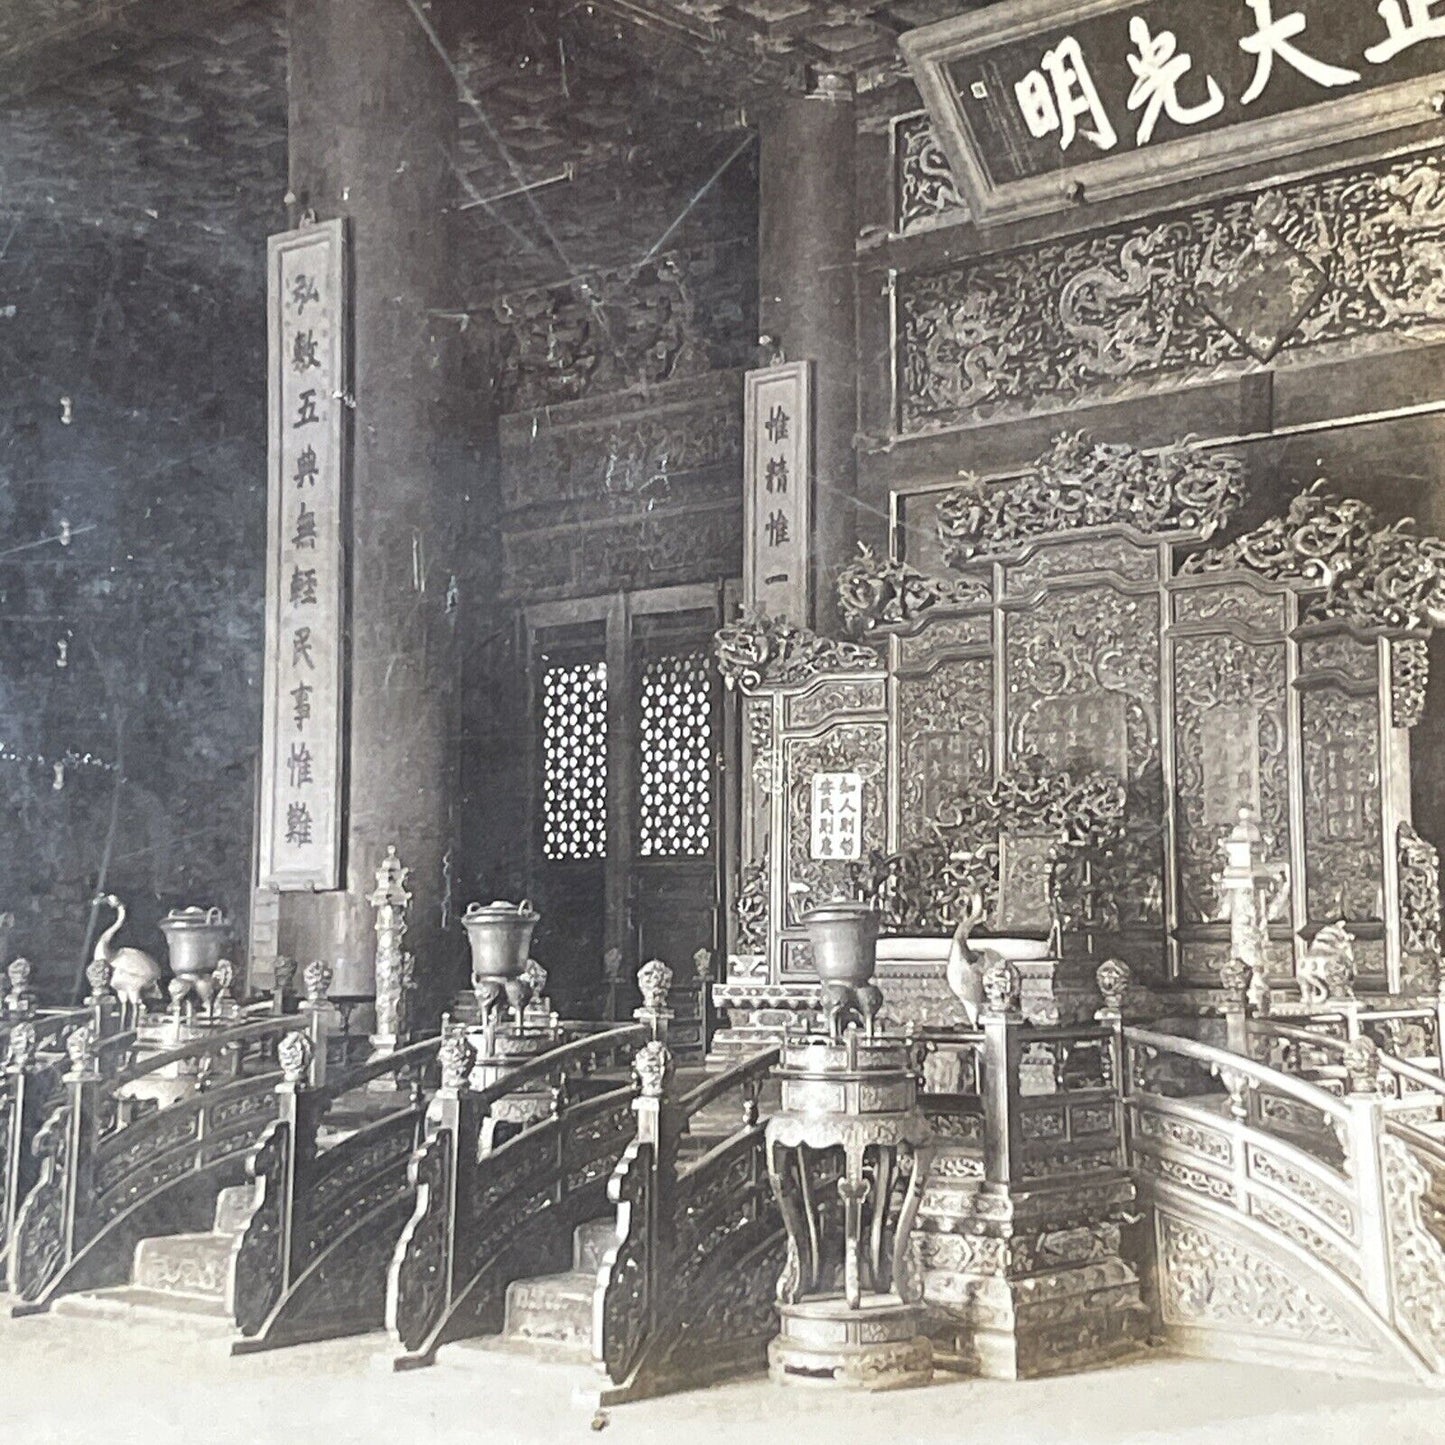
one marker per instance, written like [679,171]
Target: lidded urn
[500,935]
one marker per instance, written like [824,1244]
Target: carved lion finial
[1362,1066]
[23,1047]
[316,980]
[1234,977]
[457,1057]
[1113,978]
[294,1053]
[654,978]
[1000,982]
[97,975]
[651,1068]
[80,1048]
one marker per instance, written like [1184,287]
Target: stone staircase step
[590,1242]
[130,1302]
[233,1208]
[556,1308]
[194,1265]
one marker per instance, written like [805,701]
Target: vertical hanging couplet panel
[301,821]
[777,491]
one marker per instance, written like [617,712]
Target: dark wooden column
[373,119]
[806,297]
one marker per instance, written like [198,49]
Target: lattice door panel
[574,761]
[676,745]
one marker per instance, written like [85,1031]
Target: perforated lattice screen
[574,761]
[676,743]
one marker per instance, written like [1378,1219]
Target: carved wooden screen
[1306,722]
[1082,631]
[1230,662]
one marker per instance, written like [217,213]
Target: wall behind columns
[134,204]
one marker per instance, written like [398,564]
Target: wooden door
[627,804]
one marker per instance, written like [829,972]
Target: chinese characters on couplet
[837,816]
[300,808]
[1063,96]
[776,511]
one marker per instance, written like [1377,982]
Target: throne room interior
[723,712]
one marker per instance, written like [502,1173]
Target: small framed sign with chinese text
[1040,103]
[837,816]
[777,488]
[301,753]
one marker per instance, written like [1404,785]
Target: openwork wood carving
[756,651]
[1082,483]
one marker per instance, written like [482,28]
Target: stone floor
[69,1380]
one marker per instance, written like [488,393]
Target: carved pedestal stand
[850,1312]
[1020,1227]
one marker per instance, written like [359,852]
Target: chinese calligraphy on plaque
[837,816]
[778,425]
[1054,86]
[301,746]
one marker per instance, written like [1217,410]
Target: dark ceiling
[593,134]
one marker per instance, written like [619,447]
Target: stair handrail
[655,1263]
[1375,1240]
[460,1190]
[293,1244]
[545,1065]
[103,1170]
[1423,1079]
[751,1070]
[218,1042]
[1219,1060]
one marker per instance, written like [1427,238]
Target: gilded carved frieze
[1230,602]
[1372,574]
[945,720]
[1082,483]
[876,591]
[1339,732]
[1326,266]
[1419,871]
[756,651]
[1409,677]
[684,314]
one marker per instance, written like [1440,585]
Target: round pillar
[807,225]
[373,119]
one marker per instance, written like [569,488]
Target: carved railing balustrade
[1024,1103]
[32,1048]
[313,1259]
[1286,1209]
[483,1219]
[111,1174]
[686,1294]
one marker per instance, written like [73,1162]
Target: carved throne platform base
[879,1346]
[1026,1284]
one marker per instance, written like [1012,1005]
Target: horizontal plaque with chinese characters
[1043,101]
[837,816]
[301,755]
[777,483]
